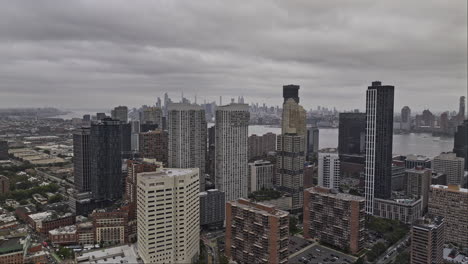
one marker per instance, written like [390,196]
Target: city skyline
[98,59]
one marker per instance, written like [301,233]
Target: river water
[421,143]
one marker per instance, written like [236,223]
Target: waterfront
[422,143]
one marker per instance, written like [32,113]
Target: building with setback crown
[231,151]
[451,202]
[335,218]
[168,215]
[256,233]
[291,147]
[427,241]
[187,137]
[378,143]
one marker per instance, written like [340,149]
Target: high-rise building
[154,145]
[378,144]
[135,135]
[120,113]
[232,124]
[256,233]
[4,185]
[260,145]
[406,118]
[351,133]
[105,159]
[418,183]
[427,241]
[462,109]
[212,209]
[461,142]
[126,139]
[3,150]
[260,175]
[101,116]
[168,215]
[452,166]
[312,142]
[291,147]
[135,166]
[451,202]
[82,159]
[335,218]
[187,137]
[151,115]
[329,169]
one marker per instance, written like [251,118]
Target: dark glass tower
[106,164]
[351,133]
[461,142]
[81,160]
[291,91]
[378,145]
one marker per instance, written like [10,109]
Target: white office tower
[168,214]
[329,169]
[187,137]
[261,175]
[452,166]
[231,150]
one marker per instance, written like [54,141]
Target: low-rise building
[111,226]
[63,235]
[43,222]
[4,184]
[403,210]
[85,233]
[120,254]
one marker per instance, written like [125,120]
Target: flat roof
[121,254]
[166,172]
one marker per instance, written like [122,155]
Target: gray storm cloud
[82,54]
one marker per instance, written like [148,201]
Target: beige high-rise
[168,216]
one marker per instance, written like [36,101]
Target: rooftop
[10,245]
[63,230]
[260,208]
[455,188]
[166,172]
[333,193]
[120,254]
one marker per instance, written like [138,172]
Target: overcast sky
[98,54]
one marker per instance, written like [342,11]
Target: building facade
[231,150]
[168,215]
[4,150]
[329,169]
[151,116]
[461,142]
[312,142]
[4,184]
[187,137]
[82,159]
[351,133]
[452,166]
[154,145]
[404,210]
[212,209]
[418,184]
[256,233]
[378,143]
[335,218]
[120,113]
[451,202]
[427,241]
[106,160]
[260,175]
[260,145]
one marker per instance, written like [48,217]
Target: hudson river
[422,144]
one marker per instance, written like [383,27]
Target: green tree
[55,198]
[223,259]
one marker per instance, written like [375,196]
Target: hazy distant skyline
[99,54]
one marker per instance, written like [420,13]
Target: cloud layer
[88,53]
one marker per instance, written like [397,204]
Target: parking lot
[319,254]
[296,244]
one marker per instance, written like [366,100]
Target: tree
[223,259]
[293,225]
[55,198]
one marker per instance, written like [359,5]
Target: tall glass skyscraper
[378,145]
